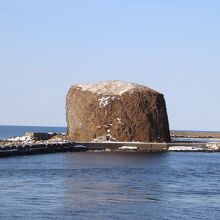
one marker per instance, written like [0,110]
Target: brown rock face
[117,111]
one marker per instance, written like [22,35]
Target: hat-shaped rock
[116,111]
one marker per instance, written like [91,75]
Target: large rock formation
[117,111]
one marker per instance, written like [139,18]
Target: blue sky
[171,46]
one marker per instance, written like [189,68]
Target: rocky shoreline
[36,143]
[40,143]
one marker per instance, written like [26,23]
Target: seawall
[43,148]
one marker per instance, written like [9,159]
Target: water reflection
[110,186]
[119,181]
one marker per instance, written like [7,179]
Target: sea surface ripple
[106,185]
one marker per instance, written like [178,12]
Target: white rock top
[110,87]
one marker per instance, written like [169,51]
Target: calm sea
[110,186]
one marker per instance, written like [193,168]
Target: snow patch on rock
[22,138]
[213,146]
[110,87]
[119,121]
[103,101]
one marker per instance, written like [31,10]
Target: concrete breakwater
[28,149]
[40,143]
[37,143]
[41,148]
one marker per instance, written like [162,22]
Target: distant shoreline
[195,134]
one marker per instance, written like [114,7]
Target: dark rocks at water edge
[35,143]
[116,111]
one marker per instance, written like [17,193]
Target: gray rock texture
[116,111]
